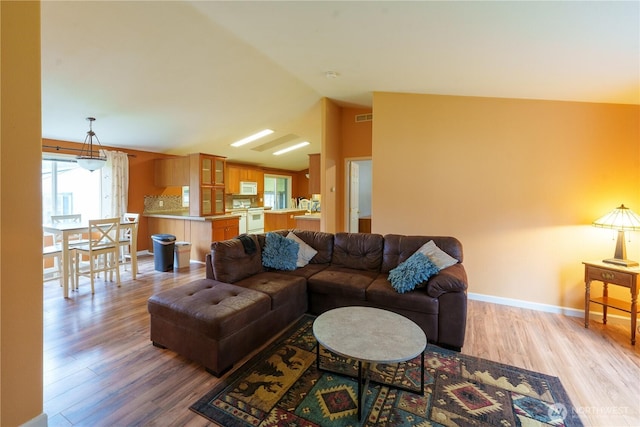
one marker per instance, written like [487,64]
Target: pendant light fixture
[87,159]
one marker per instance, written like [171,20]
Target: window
[277,191]
[69,189]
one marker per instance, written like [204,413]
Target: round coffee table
[369,335]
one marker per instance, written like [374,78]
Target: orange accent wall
[518,182]
[356,137]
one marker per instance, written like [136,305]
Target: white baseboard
[548,308]
[40,421]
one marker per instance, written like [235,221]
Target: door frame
[347,187]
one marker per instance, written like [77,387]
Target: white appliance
[239,207]
[248,188]
[255,220]
[243,221]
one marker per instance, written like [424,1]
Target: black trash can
[163,247]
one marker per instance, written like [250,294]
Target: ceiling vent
[364,117]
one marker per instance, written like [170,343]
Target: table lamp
[622,219]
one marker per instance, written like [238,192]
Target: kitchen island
[310,221]
[281,219]
[200,231]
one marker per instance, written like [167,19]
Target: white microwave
[248,188]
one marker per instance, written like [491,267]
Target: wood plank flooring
[100,368]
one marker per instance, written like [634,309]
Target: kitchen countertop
[283,211]
[313,216]
[185,216]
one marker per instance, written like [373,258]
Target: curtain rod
[58,148]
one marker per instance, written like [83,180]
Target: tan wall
[331,166]
[21,388]
[517,181]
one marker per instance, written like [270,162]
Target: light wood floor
[100,368]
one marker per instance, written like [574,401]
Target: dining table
[64,230]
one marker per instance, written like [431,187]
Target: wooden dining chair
[52,252]
[126,238]
[102,251]
[74,239]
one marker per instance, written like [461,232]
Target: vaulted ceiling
[195,76]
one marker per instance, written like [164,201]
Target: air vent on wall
[364,117]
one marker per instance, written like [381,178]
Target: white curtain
[115,184]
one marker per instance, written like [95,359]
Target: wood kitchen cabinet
[225,229]
[206,185]
[171,172]
[237,173]
[233,179]
[314,174]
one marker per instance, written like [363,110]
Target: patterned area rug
[281,386]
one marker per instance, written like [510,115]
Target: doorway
[358,195]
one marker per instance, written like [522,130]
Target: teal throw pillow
[279,252]
[415,270]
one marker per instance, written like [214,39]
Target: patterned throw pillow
[279,252]
[415,270]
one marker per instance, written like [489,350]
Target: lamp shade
[621,218]
[91,163]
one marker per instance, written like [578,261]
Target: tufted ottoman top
[212,308]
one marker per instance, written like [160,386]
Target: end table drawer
[609,276]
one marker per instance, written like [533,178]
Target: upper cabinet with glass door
[206,190]
[211,170]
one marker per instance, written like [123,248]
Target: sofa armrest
[451,279]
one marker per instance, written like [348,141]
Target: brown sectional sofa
[218,320]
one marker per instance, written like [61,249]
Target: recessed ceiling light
[293,147]
[252,137]
[331,74]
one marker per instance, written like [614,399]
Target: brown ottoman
[209,322]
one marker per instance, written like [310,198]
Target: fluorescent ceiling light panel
[293,147]
[252,137]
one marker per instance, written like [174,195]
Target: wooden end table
[611,274]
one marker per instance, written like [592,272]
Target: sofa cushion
[381,294]
[398,248]
[279,252]
[305,252]
[214,309]
[306,271]
[230,263]
[345,282]
[281,288]
[358,251]
[410,273]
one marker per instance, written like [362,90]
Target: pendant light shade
[88,159]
